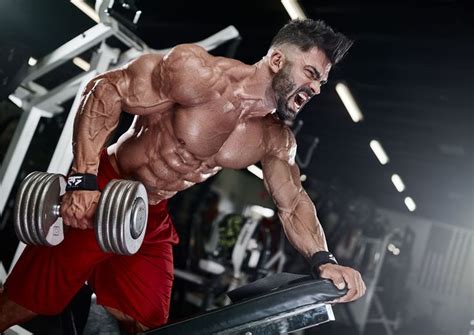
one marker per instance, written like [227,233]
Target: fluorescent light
[32,61]
[79,62]
[86,9]
[393,249]
[349,102]
[256,171]
[293,9]
[15,100]
[410,204]
[379,152]
[397,181]
[263,211]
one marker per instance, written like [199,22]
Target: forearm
[302,227]
[95,121]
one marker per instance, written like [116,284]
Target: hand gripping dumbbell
[120,219]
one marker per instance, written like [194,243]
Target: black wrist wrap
[82,182]
[320,258]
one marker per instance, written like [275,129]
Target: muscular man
[195,114]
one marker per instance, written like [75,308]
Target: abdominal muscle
[149,152]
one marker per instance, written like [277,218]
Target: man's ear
[277,60]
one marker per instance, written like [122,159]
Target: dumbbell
[120,219]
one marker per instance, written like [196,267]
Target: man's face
[299,80]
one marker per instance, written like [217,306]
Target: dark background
[410,70]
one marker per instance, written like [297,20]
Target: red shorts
[45,279]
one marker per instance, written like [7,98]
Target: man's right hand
[78,208]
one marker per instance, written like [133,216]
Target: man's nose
[315,87]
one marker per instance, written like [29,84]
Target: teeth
[297,104]
[300,99]
[303,96]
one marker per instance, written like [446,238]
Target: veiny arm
[296,211]
[102,102]
[96,119]
[98,115]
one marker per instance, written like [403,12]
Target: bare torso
[172,146]
[196,114]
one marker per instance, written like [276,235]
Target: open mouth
[300,100]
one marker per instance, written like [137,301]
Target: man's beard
[282,85]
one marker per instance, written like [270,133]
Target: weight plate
[139,216]
[101,214]
[32,207]
[50,224]
[34,220]
[24,207]
[135,215]
[17,214]
[121,209]
[20,223]
[115,217]
[123,238]
[120,202]
[103,219]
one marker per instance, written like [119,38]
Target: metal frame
[37,105]
[361,309]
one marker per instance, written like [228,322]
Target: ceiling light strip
[379,152]
[256,171]
[79,62]
[293,9]
[410,204]
[32,61]
[398,182]
[86,9]
[349,102]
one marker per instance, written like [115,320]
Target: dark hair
[309,33]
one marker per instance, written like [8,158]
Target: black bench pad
[264,298]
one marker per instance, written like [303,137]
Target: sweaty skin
[196,114]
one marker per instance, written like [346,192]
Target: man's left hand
[343,277]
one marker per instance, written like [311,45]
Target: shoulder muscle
[188,73]
[280,142]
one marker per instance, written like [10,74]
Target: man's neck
[257,95]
